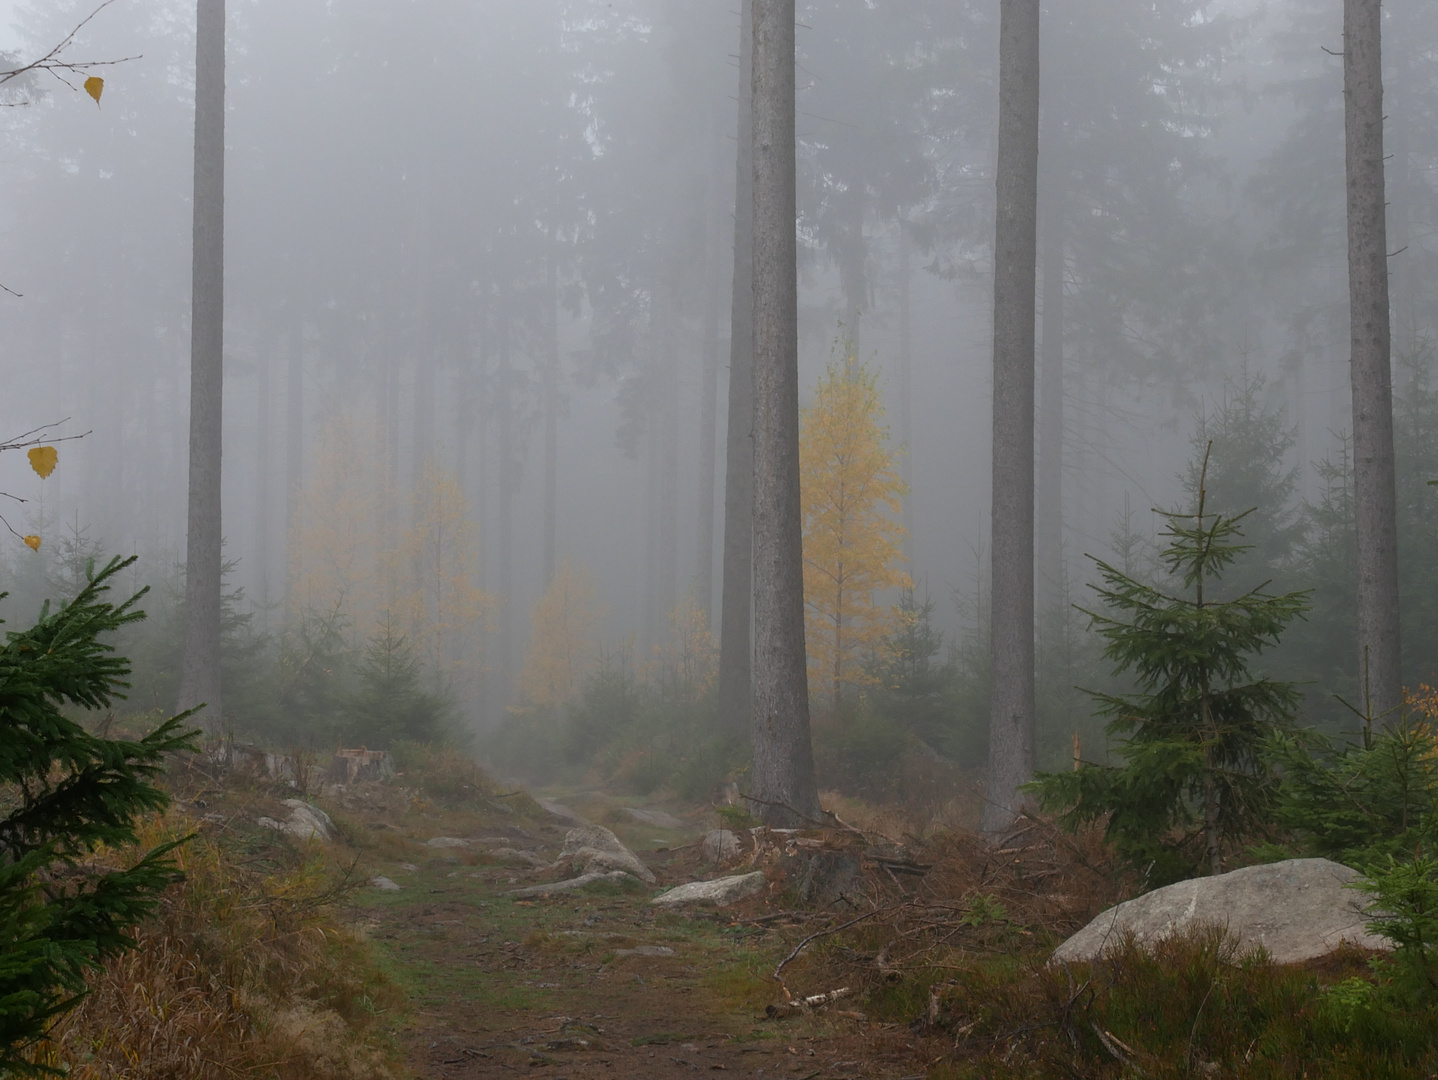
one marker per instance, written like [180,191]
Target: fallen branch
[798,916]
[785,806]
[807,1004]
[1122,1052]
[797,949]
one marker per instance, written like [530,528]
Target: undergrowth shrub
[1188,1005]
[441,771]
[247,969]
[68,798]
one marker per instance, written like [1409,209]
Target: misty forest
[867,538]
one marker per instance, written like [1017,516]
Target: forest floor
[401,948]
[596,982]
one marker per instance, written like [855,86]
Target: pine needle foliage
[70,793]
[1196,775]
[391,702]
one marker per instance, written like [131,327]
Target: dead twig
[807,1004]
[52,63]
[1122,1052]
[785,806]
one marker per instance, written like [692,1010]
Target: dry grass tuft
[247,969]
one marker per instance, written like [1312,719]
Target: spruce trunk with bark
[736,584]
[782,781]
[708,424]
[1011,708]
[200,671]
[1379,670]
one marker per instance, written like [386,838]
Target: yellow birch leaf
[32,542]
[95,86]
[42,460]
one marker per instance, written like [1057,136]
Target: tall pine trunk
[736,584]
[708,423]
[264,492]
[851,267]
[906,392]
[1369,365]
[783,781]
[507,481]
[294,427]
[1048,525]
[551,419]
[667,420]
[1011,708]
[200,673]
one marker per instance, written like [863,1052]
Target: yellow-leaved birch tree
[440,604]
[561,639]
[335,541]
[852,496]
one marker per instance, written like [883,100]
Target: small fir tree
[913,679]
[1195,773]
[1251,441]
[391,702]
[68,792]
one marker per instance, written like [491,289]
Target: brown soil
[594,983]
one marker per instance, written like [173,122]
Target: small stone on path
[305,822]
[593,847]
[720,892]
[658,818]
[720,845]
[384,884]
[561,811]
[573,883]
[446,842]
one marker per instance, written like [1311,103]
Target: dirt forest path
[592,983]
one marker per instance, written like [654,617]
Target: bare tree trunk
[666,420]
[551,420]
[422,343]
[1049,511]
[294,422]
[200,673]
[1011,709]
[736,585]
[474,482]
[1369,365]
[708,422]
[264,492]
[906,392]
[783,772]
[851,267]
[508,485]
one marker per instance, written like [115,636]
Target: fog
[432,203]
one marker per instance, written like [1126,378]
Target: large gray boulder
[1296,910]
[592,848]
